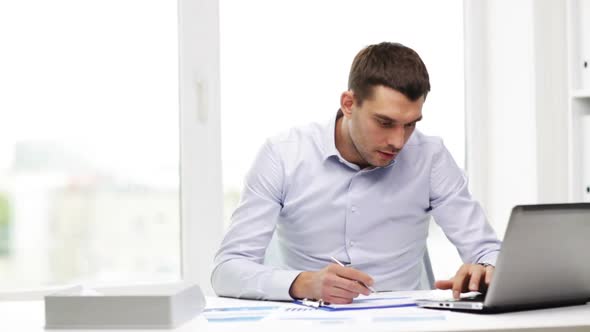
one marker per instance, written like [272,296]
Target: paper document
[373,301]
[238,314]
[392,316]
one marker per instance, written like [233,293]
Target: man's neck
[344,143]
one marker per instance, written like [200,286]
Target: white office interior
[128,125]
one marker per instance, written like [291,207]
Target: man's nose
[397,137]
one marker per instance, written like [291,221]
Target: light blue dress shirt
[321,205]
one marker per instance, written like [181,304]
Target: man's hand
[469,278]
[333,284]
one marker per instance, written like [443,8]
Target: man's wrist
[298,289]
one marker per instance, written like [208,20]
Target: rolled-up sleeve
[239,270]
[458,214]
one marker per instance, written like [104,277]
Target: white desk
[29,316]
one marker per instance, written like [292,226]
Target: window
[89,141]
[285,63]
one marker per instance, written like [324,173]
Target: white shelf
[578,20]
[581,93]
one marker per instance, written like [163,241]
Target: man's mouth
[387,155]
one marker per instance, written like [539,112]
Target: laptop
[544,262]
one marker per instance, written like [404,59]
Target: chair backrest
[427,279]
[273,258]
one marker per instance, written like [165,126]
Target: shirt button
[353,209]
[351,243]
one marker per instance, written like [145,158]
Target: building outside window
[89,142]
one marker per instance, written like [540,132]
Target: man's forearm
[242,278]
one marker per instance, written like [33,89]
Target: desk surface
[29,316]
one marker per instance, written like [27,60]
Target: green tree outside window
[4,225]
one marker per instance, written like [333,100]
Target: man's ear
[346,103]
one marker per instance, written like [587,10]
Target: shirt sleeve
[239,264]
[458,214]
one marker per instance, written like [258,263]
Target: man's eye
[384,123]
[411,125]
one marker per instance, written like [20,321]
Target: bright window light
[89,141]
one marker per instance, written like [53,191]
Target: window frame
[201,184]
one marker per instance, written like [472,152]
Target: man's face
[380,128]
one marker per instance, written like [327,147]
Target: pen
[362,283]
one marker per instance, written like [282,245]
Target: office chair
[427,278]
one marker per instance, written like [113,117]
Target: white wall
[551,100]
[515,78]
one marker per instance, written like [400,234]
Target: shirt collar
[330,141]
[330,138]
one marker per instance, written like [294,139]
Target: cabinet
[578,35]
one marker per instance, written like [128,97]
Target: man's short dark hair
[389,64]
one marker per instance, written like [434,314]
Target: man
[360,189]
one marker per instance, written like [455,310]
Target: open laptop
[544,262]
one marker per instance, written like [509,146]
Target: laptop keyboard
[474,298]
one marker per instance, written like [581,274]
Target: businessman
[361,189]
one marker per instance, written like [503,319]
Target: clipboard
[361,303]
